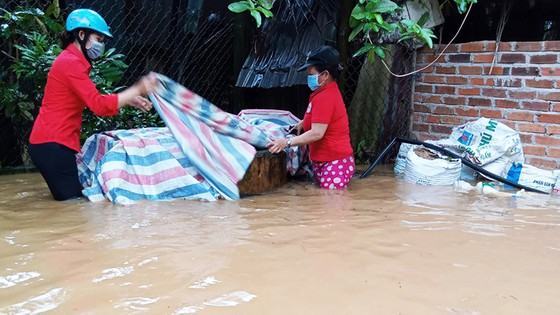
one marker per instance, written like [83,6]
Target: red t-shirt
[327,107]
[69,89]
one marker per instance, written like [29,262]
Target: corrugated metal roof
[298,27]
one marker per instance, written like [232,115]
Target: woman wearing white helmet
[55,138]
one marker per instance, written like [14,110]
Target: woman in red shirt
[325,124]
[55,138]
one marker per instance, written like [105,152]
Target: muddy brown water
[383,247]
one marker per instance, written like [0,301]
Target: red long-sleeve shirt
[69,89]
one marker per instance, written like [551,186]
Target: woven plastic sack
[400,162]
[532,177]
[484,141]
[434,170]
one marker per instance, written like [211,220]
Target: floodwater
[383,247]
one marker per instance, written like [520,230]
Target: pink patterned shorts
[334,175]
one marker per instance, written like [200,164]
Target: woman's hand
[147,84]
[141,103]
[299,127]
[277,146]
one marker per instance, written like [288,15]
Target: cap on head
[87,19]
[326,56]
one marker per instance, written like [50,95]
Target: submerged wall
[523,91]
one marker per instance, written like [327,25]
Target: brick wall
[523,91]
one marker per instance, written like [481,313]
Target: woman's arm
[316,133]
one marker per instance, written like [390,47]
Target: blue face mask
[313,81]
[96,50]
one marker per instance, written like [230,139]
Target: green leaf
[54,9]
[365,49]
[386,6]
[424,19]
[353,22]
[257,16]
[267,4]
[379,18]
[265,12]
[355,32]
[358,13]
[238,7]
[379,51]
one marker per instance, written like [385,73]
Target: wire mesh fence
[194,41]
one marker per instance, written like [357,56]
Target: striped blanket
[202,154]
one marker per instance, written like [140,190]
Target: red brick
[534,150]
[550,72]
[446,70]
[429,69]
[451,49]
[530,127]
[426,136]
[552,46]
[553,130]
[490,82]
[542,84]
[480,102]
[451,120]
[477,81]
[442,89]
[443,110]
[441,129]
[526,137]
[513,58]
[491,113]
[459,58]
[491,46]
[421,127]
[550,96]
[521,116]
[506,103]
[433,79]
[544,59]
[494,93]
[495,71]
[432,119]
[468,112]
[454,80]
[470,91]
[523,71]
[424,88]
[483,58]
[473,47]
[449,100]
[553,152]
[422,108]
[555,107]
[549,118]
[549,164]
[470,70]
[417,98]
[537,106]
[426,58]
[522,94]
[547,140]
[431,99]
[528,46]
[418,117]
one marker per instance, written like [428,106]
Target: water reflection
[384,245]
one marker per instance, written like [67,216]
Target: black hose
[444,151]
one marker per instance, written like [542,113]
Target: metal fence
[193,41]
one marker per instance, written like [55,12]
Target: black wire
[441,150]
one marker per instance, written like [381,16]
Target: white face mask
[96,50]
